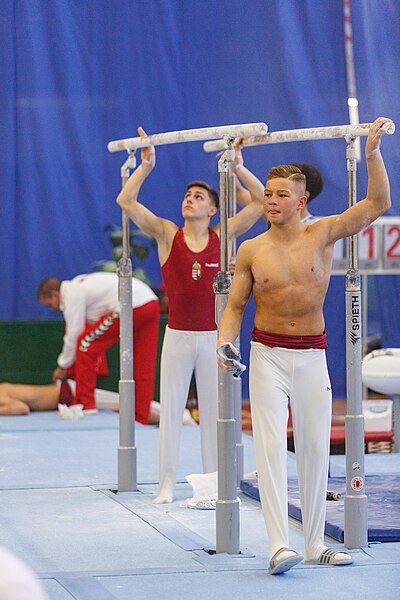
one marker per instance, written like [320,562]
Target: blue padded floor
[383,494]
[60,515]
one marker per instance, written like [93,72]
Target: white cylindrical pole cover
[189,135]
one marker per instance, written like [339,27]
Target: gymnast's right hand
[226,355]
[148,153]
[59,374]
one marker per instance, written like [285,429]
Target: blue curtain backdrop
[75,74]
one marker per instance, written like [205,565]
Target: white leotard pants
[279,375]
[184,352]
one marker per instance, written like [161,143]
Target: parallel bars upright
[237,382]
[355,500]
[227,504]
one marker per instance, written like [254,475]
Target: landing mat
[383,493]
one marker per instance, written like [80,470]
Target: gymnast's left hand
[374,136]
[238,160]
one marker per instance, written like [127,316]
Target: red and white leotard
[189,346]
[188,278]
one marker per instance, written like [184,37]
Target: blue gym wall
[76,74]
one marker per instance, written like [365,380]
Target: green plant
[140,244]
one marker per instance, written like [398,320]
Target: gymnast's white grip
[230,360]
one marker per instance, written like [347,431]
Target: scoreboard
[378,249]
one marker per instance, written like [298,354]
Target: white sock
[165,496]
[285,554]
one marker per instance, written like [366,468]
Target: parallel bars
[228,507]
[355,514]
[355,501]
[302,135]
[188,135]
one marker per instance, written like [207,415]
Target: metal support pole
[237,381]
[352,100]
[227,506]
[396,423]
[364,327]
[127,460]
[355,500]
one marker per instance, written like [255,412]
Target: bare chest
[295,266]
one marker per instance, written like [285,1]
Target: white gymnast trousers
[277,375]
[184,352]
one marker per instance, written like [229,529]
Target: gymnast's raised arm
[127,199]
[377,201]
[253,207]
[253,188]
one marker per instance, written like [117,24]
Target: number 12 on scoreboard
[391,246]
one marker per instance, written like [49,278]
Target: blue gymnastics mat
[383,493]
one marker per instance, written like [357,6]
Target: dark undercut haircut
[46,286]
[211,192]
[314,180]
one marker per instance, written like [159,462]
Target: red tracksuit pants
[99,336]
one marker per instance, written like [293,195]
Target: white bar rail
[301,135]
[189,135]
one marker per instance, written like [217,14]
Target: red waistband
[293,342]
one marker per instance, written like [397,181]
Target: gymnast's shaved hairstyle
[314,180]
[287,172]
